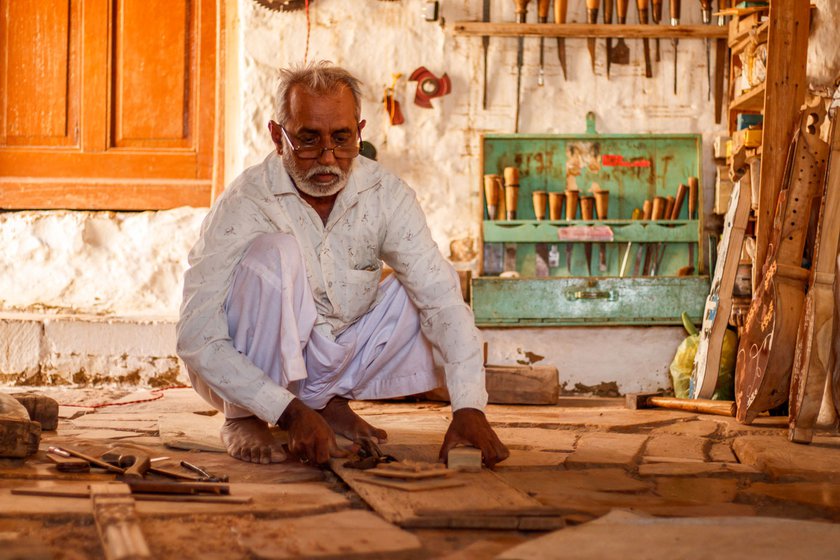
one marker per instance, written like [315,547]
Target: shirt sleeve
[204,342]
[432,285]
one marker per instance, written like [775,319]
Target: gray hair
[318,77]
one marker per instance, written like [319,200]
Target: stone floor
[582,459]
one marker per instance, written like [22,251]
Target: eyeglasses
[341,151]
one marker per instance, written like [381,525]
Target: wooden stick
[117,523]
[69,493]
[600,30]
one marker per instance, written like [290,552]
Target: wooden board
[676,447]
[719,303]
[421,485]
[780,458]
[117,522]
[515,385]
[696,469]
[607,449]
[352,534]
[459,507]
[732,538]
[813,342]
[276,500]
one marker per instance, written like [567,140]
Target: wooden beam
[586,30]
[787,51]
[117,522]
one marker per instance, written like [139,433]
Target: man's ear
[276,135]
[362,124]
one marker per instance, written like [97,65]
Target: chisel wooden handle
[522,10]
[681,190]
[560,9]
[669,206]
[542,10]
[657,208]
[592,6]
[642,5]
[693,187]
[621,10]
[572,198]
[647,210]
[656,11]
[587,207]
[608,11]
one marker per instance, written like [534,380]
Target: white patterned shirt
[376,218]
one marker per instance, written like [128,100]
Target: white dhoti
[271,317]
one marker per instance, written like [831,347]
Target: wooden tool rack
[633,168]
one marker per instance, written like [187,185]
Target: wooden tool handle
[572,198]
[703,406]
[675,214]
[658,208]
[560,9]
[642,6]
[542,10]
[602,204]
[647,210]
[522,9]
[139,467]
[669,207]
[693,187]
[587,207]
[608,11]
[706,4]
[675,9]
[656,11]
[621,8]
[592,5]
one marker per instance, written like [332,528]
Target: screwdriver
[521,12]
[592,18]
[706,10]
[675,21]
[656,17]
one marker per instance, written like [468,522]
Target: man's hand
[469,426]
[310,437]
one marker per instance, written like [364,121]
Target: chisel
[560,17]
[608,17]
[675,21]
[721,51]
[706,11]
[657,211]
[521,12]
[542,17]
[670,201]
[485,44]
[602,204]
[592,19]
[646,213]
[636,215]
[656,17]
[642,6]
[572,198]
[693,186]
[587,212]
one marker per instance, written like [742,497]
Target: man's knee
[271,248]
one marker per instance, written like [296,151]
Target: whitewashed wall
[131,263]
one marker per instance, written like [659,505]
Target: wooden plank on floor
[467,506]
[277,500]
[669,446]
[351,534]
[729,538]
[187,430]
[607,449]
[780,458]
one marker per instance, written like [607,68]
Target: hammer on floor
[636,401]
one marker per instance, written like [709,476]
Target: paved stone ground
[590,456]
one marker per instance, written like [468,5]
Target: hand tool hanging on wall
[642,6]
[542,17]
[620,54]
[693,187]
[670,201]
[541,264]
[647,209]
[706,11]
[656,214]
[572,198]
[485,45]
[602,203]
[636,215]
[608,17]
[591,18]
[675,20]
[721,50]
[521,13]
[587,212]
[560,17]
[656,17]
[429,86]
[392,106]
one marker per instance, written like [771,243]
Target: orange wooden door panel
[107,94]
[39,72]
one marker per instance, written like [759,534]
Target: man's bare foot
[344,421]
[249,439]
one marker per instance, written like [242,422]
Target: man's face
[327,120]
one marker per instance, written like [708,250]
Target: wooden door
[108,104]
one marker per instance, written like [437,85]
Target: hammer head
[635,401]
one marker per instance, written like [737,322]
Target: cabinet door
[107,104]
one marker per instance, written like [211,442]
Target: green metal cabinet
[633,168]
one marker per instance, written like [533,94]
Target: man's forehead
[309,108]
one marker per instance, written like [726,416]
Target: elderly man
[285,317]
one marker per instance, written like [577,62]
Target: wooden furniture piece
[19,436]
[817,328]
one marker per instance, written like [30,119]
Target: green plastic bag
[683,363]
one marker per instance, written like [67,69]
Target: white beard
[303,180]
